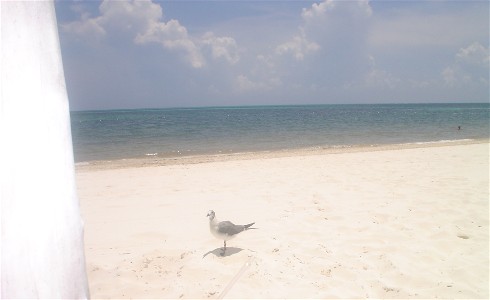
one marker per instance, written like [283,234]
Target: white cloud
[320,11]
[244,84]
[449,76]
[378,78]
[329,46]
[86,27]
[374,78]
[456,77]
[330,26]
[322,26]
[141,21]
[474,54]
[173,36]
[470,66]
[221,47]
[299,46]
[131,16]
[161,32]
[120,16]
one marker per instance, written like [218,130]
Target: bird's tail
[248,225]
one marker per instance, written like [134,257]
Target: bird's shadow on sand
[219,252]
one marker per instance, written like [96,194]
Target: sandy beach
[396,222]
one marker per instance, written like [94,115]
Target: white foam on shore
[440,142]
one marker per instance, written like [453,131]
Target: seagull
[224,230]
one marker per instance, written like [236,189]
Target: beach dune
[390,223]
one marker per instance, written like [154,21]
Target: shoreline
[155,161]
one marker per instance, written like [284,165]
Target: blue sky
[151,54]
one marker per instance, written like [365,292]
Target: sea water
[118,134]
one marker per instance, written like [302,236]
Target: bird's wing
[228,228]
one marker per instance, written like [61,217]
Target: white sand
[405,223]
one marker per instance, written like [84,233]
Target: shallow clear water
[116,134]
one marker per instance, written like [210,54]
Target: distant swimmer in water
[459,127]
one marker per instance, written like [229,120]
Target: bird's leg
[224,248]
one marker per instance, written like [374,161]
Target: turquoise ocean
[140,133]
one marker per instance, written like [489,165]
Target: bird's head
[211,214]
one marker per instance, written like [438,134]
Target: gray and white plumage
[224,230]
